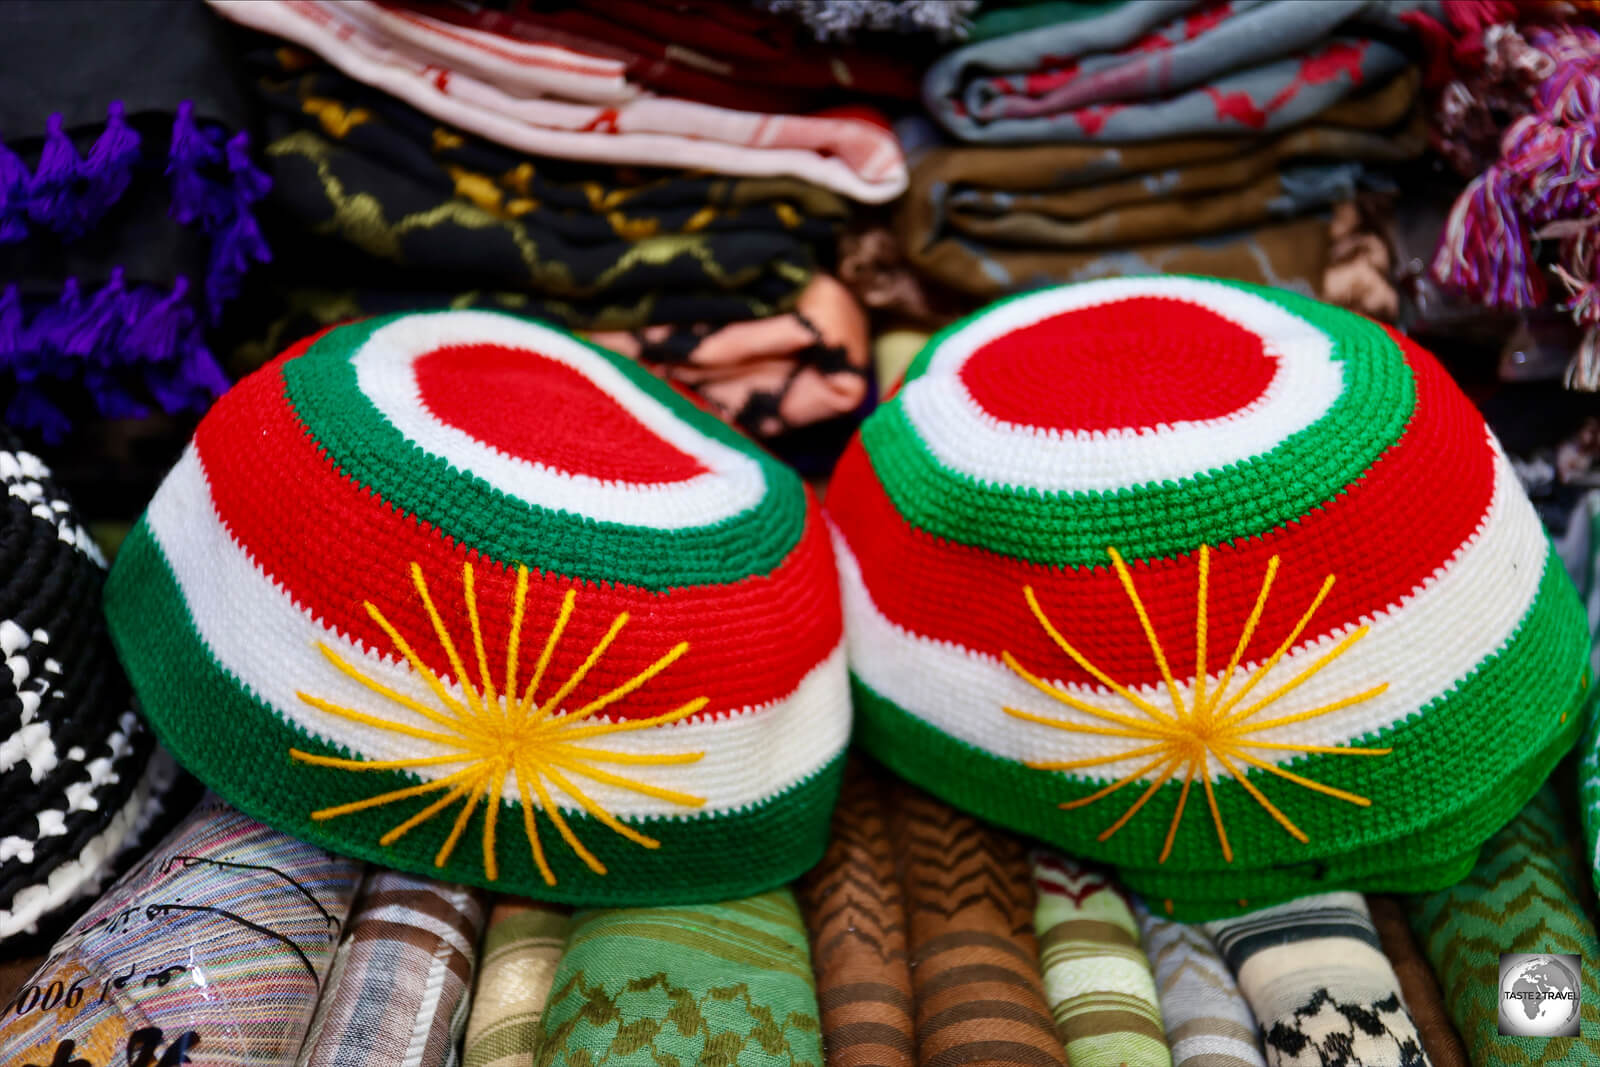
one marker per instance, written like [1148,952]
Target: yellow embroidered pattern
[1211,726]
[499,734]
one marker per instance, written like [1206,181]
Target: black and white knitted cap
[77,781]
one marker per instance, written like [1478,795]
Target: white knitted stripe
[968,439]
[733,482]
[268,644]
[1422,647]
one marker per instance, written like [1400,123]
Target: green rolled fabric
[1097,978]
[1525,895]
[710,986]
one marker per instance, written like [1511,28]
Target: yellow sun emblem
[1211,726]
[501,735]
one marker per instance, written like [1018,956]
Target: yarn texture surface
[1136,567]
[461,594]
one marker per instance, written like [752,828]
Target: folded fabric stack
[1167,136]
[441,163]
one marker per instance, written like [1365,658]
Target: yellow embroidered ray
[501,735]
[1212,726]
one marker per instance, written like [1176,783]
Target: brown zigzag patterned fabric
[974,960]
[856,917]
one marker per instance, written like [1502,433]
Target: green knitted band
[163,653]
[1396,832]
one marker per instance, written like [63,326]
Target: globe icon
[1539,997]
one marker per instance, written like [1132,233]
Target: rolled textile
[521,949]
[849,150]
[1526,895]
[1096,975]
[717,983]
[705,50]
[855,913]
[770,375]
[1320,986]
[975,972]
[1208,1022]
[1125,72]
[404,975]
[214,949]
[1419,986]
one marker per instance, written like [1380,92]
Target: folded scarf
[1208,1022]
[718,983]
[1096,976]
[1319,984]
[855,914]
[398,989]
[1123,72]
[850,151]
[1419,986]
[1061,208]
[767,376]
[520,952]
[1526,895]
[127,211]
[213,950]
[707,50]
[975,973]
[1288,255]
[378,191]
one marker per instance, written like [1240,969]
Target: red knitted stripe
[1373,537]
[1071,371]
[750,642]
[543,411]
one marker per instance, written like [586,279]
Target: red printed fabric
[718,53]
[1166,68]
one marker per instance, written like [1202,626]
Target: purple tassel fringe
[122,343]
[1545,185]
[127,345]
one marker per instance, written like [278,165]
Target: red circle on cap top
[1125,365]
[540,410]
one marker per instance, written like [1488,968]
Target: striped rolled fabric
[855,913]
[521,949]
[1208,1022]
[403,975]
[974,959]
[1096,977]
[1419,986]
[470,597]
[1526,895]
[1136,567]
[1320,986]
[715,984]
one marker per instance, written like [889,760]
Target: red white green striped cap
[1214,582]
[460,593]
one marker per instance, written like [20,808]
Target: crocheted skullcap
[1215,583]
[74,777]
[459,593]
